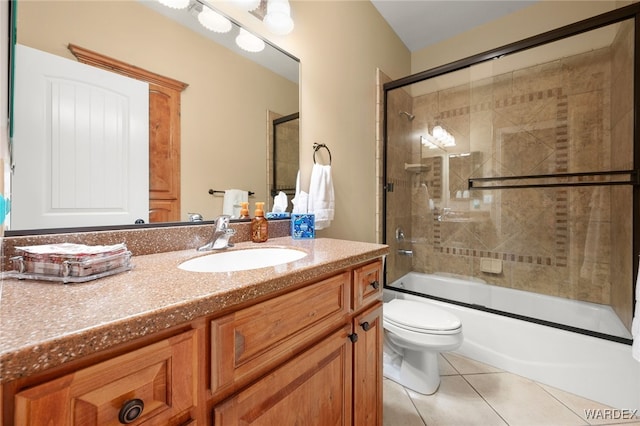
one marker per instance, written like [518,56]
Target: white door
[80,145]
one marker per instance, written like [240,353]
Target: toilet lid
[419,316]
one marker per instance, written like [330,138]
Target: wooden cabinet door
[156,384]
[314,388]
[367,367]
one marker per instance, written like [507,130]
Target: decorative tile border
[561,205]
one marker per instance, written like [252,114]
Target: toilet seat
[420,318]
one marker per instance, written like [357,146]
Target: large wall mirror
[226,108]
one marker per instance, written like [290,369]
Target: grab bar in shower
[486,182]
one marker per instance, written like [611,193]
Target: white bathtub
[591,367]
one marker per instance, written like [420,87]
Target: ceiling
[420,23]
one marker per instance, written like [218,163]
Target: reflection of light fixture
[278,18]
[213,21]
[439,138]
[249,42]
[175,4]
[247,5]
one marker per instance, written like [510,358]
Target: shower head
[409,116]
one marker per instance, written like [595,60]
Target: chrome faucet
[221,235]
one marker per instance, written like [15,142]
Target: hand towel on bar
[231,203]
[635,325]
[321,199]
[300,200]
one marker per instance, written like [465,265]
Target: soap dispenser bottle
[244,210]
[259,225]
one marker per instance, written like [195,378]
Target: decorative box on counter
[303,226]
[70,263]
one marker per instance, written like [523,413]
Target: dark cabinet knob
[130,411]
[375,284]
[365,326]
[353,337]
[139,221]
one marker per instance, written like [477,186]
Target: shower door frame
[618,15]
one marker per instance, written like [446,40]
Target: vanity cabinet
[329,335]
[154,385]
[311,355]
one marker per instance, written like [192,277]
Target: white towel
[232,199]
[635,325]
[301,199]
[321,199]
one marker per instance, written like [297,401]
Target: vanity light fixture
[249,42]
[175,4]
[279,21]
[278,18]
[247,5]
[439,138]
[213,21]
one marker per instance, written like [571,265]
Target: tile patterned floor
[472,393]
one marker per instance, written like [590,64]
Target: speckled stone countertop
[44,324]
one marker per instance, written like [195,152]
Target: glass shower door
[518,173]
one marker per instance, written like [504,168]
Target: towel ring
[316,147]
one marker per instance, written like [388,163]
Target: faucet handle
[222,222]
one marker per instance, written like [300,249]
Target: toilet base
[415,370]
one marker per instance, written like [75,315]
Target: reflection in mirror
[223,140]
[285,162]
[462,167]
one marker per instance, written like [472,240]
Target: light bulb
[213,21]
[247,5]
[175,4]
[249,42]
[278,18]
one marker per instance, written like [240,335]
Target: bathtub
[591,367]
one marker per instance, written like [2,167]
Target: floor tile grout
[482,397]
[562,404]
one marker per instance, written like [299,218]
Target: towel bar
[215,191]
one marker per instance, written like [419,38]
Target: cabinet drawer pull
[365,326]
[375,284]
[130,411]
[353,337]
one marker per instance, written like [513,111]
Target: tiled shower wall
[569,115]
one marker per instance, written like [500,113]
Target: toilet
[414,335]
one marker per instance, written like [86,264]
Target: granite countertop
[45,324]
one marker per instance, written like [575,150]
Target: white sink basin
[242,260]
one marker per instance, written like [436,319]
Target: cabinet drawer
[249,342]
[367,284]
[160,379]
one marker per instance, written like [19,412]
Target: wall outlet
[491,266]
